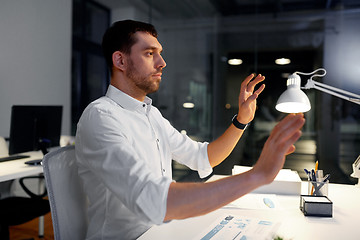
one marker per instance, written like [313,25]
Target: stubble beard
[143,82]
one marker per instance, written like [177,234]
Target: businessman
[124,147]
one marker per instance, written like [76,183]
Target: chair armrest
[27,190]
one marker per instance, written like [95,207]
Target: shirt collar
[126,101]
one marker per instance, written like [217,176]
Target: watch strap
[237,124]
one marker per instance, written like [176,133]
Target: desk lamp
[293,100]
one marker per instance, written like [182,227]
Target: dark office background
[200,36]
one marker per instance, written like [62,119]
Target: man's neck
[129,90]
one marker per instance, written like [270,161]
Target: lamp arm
[355,98]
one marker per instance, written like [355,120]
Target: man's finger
[252,84]
[248,79]
[245,83]
[260,89]
[291,149]
[292,123]
[290,142]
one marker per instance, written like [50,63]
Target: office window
[90,76]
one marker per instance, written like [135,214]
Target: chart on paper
[240,228]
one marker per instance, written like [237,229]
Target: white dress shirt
[124,150]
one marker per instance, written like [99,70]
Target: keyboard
[13,157]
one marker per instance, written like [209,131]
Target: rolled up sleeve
[188,152]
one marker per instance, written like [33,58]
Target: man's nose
[161,62]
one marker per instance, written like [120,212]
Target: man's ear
[118,60]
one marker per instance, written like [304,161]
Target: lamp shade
[293,100]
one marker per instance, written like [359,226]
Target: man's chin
[154,88]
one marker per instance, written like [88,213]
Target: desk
[17,168]
[294,225]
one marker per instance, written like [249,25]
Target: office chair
[15,210]
[68,201]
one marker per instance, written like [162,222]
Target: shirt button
[157,140]
[163,170]
[144,105]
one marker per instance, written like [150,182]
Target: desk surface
[17,168]
[294,225]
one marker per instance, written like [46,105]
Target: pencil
[316,168]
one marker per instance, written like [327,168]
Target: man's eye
[149,53]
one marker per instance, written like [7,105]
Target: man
[124,147]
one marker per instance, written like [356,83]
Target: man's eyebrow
[153,48]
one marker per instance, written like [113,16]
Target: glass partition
[199,90]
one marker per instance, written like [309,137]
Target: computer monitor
[32,126]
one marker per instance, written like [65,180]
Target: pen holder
[318,188]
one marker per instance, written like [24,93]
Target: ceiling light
[282,61]
[188,105]
[235,61]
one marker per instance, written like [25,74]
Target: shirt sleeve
[188,152]
[105,150]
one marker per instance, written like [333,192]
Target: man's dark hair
[120,37]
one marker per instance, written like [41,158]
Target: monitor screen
[31,125]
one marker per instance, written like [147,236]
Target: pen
[326,178]
[307,174]
[313,175]
[318,187]
[313,178]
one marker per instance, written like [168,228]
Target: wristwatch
[237,124]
